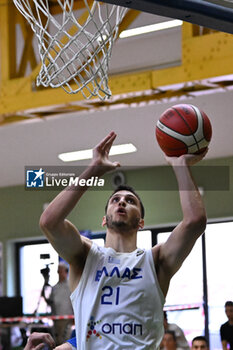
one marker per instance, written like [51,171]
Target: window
[144,239]
[185,293]
[186,286]
[219,243]
[31,278]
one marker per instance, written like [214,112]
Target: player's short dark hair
[130,189]
[200,338]
[228,303]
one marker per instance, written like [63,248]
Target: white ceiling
[38,142]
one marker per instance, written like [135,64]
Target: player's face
[123,211]
[199,345]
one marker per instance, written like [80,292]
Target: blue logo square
[35,178]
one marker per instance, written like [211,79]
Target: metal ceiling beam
[203,56]
[7,40]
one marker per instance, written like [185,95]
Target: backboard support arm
[201,12]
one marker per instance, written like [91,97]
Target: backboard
[214,14]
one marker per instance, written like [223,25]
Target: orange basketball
[183,129]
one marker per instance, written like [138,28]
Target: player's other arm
[61,233]
[170,255]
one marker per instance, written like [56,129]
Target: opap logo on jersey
[92,330]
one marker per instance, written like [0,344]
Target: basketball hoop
[74,51]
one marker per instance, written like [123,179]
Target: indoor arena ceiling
[35,136]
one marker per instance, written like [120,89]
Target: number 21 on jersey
[111,295]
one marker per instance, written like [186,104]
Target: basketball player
[118,291]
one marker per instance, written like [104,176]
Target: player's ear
[141,223]
[104,221]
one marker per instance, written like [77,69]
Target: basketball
[183,129]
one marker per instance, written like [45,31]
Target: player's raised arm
[174,251]
[61,233]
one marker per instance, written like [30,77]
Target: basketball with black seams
[183,129]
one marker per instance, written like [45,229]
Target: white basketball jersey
[118,303]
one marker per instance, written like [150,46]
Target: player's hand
[40,341]
[101,154]
[186,159]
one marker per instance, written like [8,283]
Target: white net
[74,49]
